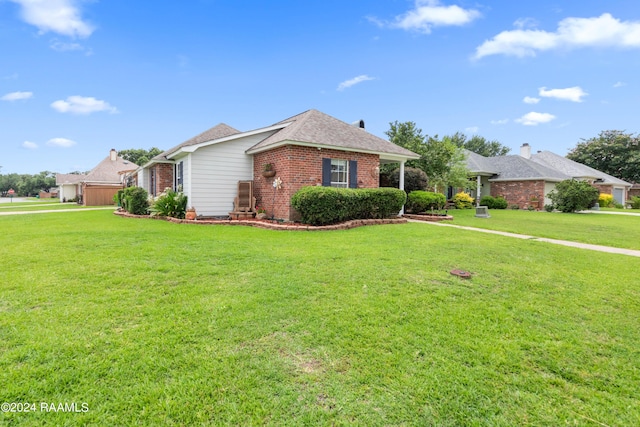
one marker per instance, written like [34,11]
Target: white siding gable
[212,174]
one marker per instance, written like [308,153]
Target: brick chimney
[113,155]
[525,151]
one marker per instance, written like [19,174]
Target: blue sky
[78,78]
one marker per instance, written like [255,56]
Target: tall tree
[480,145]
[139,156]
[442,161]
[613,152]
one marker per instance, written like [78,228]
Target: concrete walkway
[599,248]
[103,208]
[611,213]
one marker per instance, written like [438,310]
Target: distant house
[311,148]
[525,180]
[97,187]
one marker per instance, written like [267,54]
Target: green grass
[39,205]
[154,323]
[621,231]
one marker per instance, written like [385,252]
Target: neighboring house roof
[314,128]
[574,169]
[109,170]
[512,168]
[478,164]
[69,178]
[517,168]
[218,131]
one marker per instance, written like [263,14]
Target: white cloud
[61,142]
[619,84]
[428,14]
[574,94]
[354,81]
[572,33]
[472,129]
[530,100]
[534,119]
[58,16]
[16,96]
[82,105]
[499,122]
[29,145]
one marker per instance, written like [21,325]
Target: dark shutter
[326,172]
[353,174]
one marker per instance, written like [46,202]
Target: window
[152,181]
[339,173]
[179,176]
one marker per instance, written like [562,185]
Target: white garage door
[618,195]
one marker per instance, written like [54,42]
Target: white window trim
[340,184]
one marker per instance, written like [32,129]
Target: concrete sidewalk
[599,248]
[103,208]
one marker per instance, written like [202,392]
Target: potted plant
[190,214]
[261,213]
[268,171]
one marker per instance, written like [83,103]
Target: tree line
[26,185]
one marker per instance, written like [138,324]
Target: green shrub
[514,207]
[548,208]
[414,179]
[572,195]
[494,202]
[118,198]
[635,202]
[618,205]
[421,201]
[135,200]
[169,203]
[463,200]
[606,201]
[329,205]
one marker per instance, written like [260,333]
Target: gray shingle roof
[69,178]
[516,168]
[574,169]
[316,128]
[479,164]
[218,131]
[109,171]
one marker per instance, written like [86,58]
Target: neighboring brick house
[526,180]
[311,148]
[97,187]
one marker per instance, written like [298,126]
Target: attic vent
[358,124]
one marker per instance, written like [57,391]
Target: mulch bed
[271,225]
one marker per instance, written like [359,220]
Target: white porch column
[401,184]
[478,190]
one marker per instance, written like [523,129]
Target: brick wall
[604,188]
[164,177]
[298,167]
[520,192]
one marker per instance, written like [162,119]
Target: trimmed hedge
[421,201]
[494,202]
[329,205]
[135,200]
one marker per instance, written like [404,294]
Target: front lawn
[39,205]
[155,323]
[621,231]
